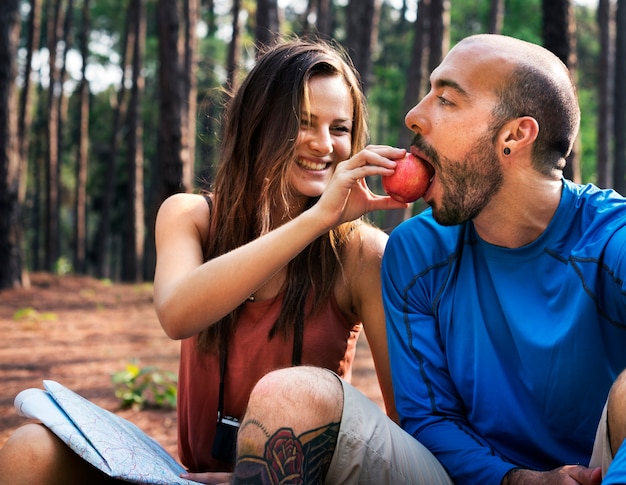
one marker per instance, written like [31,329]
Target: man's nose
[415,119]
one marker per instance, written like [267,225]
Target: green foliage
[138,387]
[63,266]
[32,316]
[588,135]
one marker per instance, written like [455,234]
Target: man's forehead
[470,69]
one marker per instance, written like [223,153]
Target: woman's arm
[190,295]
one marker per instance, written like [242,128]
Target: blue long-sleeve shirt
[617,471]
[500,357]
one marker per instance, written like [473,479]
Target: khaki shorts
[372,449]
[601,455]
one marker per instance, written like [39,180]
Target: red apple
[410,180]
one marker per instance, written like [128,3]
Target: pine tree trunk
[133,252]
[620,99]
[606,26]
[80,203]
[10,223]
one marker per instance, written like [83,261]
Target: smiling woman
[275,266]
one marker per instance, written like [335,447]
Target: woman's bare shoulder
[184,208]
[366,242]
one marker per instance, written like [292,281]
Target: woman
[275,267]
[279,248]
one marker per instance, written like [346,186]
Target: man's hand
[565,475]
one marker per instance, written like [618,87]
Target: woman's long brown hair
[261,125]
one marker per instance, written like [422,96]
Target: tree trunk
[82,153]
[25,116]
[620,99]
[324,20]
[103,240]
[267,22]
[10,224]
[233,48]
[132,269]
[496,16]
[559,36]
[606,27]
[416,75]
[362,34]
[189,74]
[51,219]
[175,161]
[439,39]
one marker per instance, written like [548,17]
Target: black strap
[298,336]
[296,358]
[220,399]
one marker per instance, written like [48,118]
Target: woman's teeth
[309,165]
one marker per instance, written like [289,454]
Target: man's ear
[518,134]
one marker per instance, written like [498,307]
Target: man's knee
[309,394]
[296,409]
[616,412]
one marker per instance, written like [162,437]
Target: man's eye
[444,101]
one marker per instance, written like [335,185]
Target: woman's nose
[321,141]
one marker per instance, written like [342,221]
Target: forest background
[107,107]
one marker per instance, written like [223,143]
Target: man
[505,305]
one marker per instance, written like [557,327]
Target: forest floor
[79,331]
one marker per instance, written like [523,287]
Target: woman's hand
[211,478]
[347,196]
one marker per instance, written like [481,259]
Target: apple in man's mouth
[410,180]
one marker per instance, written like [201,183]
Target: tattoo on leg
[258,424]
[289,459]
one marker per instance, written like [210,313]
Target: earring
[507,151]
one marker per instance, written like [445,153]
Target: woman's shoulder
[366,240]
[185,207]
[364,251]
[185,203]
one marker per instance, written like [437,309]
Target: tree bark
[103,239]
[606,27]
[132,269]
[232,60]
[267,22]
[10,223]
[25,116]
[416,75]
[51,220]
[362,34]
[439,39]
[620,99]
[324,19]
[559,36]
[82,152]
[496,16]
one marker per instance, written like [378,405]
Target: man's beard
[467,186]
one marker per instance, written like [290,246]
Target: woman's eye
[341,129]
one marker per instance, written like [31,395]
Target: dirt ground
[79,331]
